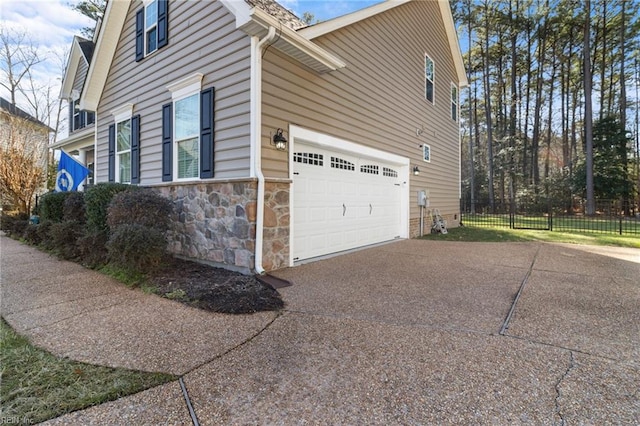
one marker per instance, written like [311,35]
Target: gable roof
[335,24]
[81,50]
[15,111]
[255,17]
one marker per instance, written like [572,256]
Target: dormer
[73,82]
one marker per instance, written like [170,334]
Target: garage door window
[370,169]
[310,158]
[389,172]
[339,163]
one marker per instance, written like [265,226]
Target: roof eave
[257,23]
[105,48]
[331,25]
[75,55]
[454,43]
[80,139]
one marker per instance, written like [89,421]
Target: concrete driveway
[409,333]
[413,332]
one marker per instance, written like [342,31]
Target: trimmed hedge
[73,208]
[137,247]
[51,206]
[143,207]
[97,199]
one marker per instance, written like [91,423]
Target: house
[24,142]
[279,142]
[81,138]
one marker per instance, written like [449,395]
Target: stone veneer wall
[214,222]
[277,218]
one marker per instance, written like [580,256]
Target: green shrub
[64,238]
[43,232]
[74,207]
[51,206]
[97,199]
[14,224]
[136,247]
[140,207]
[93,249]
[31,235]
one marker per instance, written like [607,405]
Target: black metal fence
[552,215]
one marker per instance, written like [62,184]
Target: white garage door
[342,201]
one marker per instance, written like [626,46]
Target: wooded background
[525,118]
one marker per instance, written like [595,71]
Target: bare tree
[18,56]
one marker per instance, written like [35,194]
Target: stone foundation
[214,222]
[277,218]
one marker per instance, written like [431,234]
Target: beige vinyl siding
[202,38]
[378,99]
[81,75]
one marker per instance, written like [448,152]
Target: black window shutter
[135,149]
[163,23]
[140,34]
[167,142]
[72,105]
[206,133]
[112,153]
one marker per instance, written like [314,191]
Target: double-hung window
[187,131]
[123,151]
[454,102]
[187,137]
[151,27]
[124,146]
[429,76]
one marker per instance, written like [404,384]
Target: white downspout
[256,143]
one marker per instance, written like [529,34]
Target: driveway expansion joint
[559,391]
[187,400]
[505,325]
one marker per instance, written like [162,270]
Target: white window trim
[433,80]
[183,88]
[457,101]
[146,4]
[120,114]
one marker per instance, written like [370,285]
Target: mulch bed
[214,289]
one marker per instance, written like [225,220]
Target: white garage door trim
[308,137]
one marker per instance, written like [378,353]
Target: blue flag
[70,173]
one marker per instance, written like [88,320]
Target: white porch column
[82,157]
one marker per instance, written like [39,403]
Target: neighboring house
[23,132]
[81,139]
[191,97]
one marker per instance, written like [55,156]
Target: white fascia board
[454,43]
[240,9]
[110,31]
[291,42]
[331,25]
[75,56]
[80,139]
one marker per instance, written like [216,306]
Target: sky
[51,25]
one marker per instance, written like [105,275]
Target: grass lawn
[469,233]
[36,385]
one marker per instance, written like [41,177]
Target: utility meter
[422,198]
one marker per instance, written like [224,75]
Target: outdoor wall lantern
[279,141]
[416,171]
